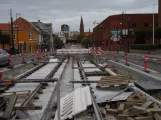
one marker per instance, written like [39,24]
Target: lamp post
[13,47]
[153,22]
[17,14]
[93,32]
[102,36]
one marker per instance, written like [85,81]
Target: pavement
[137,54]
[17,59]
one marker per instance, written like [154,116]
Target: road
[138,62]
[17,59]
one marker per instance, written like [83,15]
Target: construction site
[78,84]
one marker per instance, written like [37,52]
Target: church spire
[81,26]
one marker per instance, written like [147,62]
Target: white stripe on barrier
[141,67]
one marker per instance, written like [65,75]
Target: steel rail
[95,105]
[39,87]
[54,100]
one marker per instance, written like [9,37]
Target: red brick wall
[108,25]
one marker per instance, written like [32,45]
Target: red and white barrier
[126,59]
[51,52]
[145,63]
[115,59]
[10,60]
[22,58]
[1,73]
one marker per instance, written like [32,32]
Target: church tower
[81,27]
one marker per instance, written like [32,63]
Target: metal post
[117,37]
[12,31]
[128,45]
[153,23]
[58,100]
[17,32]
[122,32]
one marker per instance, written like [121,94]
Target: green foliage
[86,40]
[144,46]
[80,37]
[58,42]
[158,34]
[142,36]
[4,38]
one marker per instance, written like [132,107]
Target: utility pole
[117,25]
[12,32]
[17,31]
[128,43]
[153,22]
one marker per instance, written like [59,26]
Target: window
[133,25]
[30,36]
[14,36]
[146,25]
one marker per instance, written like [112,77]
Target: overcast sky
[69,11]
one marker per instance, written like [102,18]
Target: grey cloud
[69,11]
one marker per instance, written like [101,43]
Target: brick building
[127,24]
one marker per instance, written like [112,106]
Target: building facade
[24,34]
[159,13]
[47,34]
[126,24]
[61,35]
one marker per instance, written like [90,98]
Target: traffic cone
[10,62]
[22,59]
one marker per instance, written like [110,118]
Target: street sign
[115,35]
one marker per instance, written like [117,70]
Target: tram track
[35,86]
[94,103]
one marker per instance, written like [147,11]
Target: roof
[23,25]
[5,26]
[118,15]
[87,33]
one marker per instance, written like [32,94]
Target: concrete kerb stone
[11,73]
[138,72]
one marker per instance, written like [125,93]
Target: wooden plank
[28,108]
[10,106]
[109,80]
[114,81]
[157,116]
[118,76]
[114,77]
[121,83]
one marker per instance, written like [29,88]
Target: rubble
[135,107]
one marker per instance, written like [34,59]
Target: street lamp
[17,14]
[124,12]
[153,22]
[93,32]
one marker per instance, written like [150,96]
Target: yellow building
[25,34]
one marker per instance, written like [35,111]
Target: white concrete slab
[75,102]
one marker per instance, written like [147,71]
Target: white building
[61,35]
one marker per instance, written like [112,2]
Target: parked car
[3,57]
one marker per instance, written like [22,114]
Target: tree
[158,34]
[4,39]
[86,41]
[142,36]
[58,42]
[80,37]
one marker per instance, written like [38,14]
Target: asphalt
[17,60]
[140,62]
